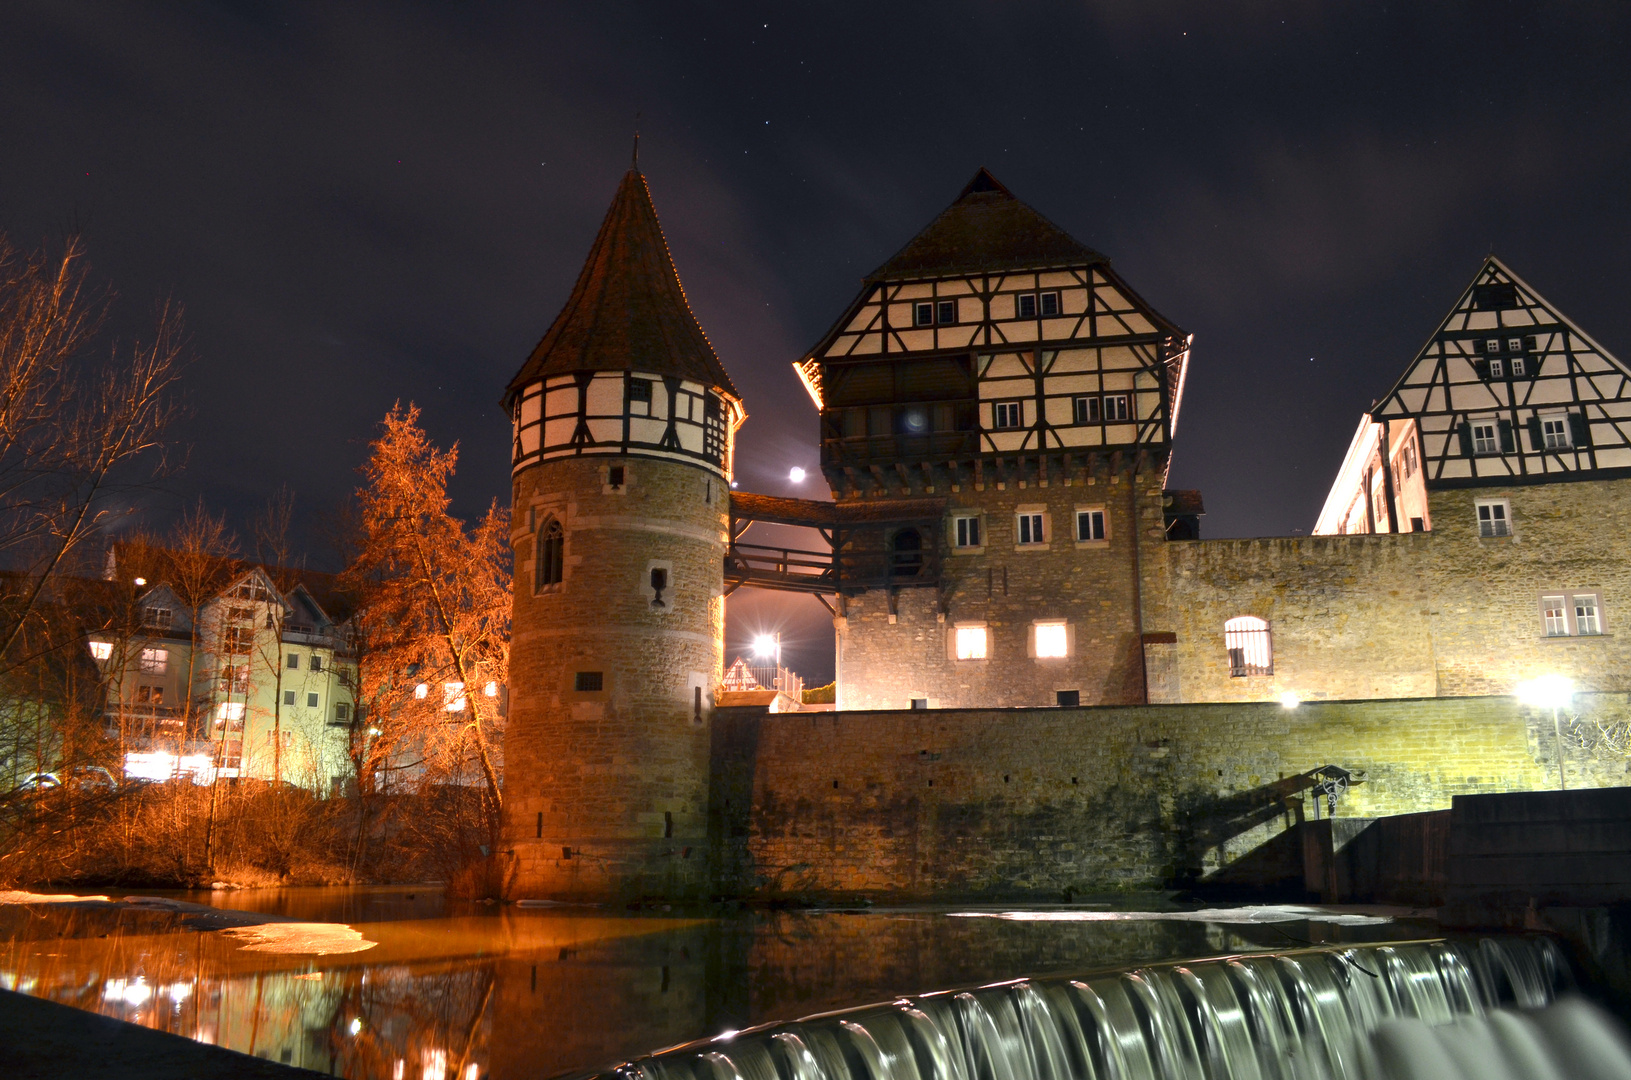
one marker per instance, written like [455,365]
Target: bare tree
[72,424]
[433,614]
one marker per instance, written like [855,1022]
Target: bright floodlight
[764,645]
[796,475]
[141,581]
[1546,692]
[1290,700]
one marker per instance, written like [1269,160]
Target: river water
[463,991]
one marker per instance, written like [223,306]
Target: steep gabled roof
[986,230]
[628,309]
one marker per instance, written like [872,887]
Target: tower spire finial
[635,163]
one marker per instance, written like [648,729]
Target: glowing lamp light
[1290,700]
[141,581]
[764,645]
[796,475]
[1547,692]
[356,1025]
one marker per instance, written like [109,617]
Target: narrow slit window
[551,552]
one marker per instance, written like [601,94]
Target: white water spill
[1306,1015]
[1271,913]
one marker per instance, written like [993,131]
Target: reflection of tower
[624,423]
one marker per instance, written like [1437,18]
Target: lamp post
[1550,692]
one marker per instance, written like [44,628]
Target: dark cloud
[364,202]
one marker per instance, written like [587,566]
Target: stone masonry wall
[1424,614]
[1038,802]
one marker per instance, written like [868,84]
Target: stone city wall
[1007,803]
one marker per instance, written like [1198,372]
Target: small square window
[1067,699]
[1493,345]
[1115,407]
[1495,371]
[294,661]
[1484,439]
[588,682]
[1554,613]
[971,642]
[1555,431]
[1052,641]
[342,713]
[1089,525]
[1494,517]
[1514,344]
[155,661]
[311,701]
[1030,528]
[1517,367]
[1006,414]
[288,697]
[640,390]
[967,531]
[947,312]
[920,703]
[923,314]
[316,662]
[1086,410]
[1049,303]
[1025,306]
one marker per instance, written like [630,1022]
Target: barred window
[1250,650]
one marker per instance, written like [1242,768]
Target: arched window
[907,558]
[1250,650]
[551,555]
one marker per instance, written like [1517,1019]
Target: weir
[1399,1009]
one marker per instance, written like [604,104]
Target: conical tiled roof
[985,230]
[628,309]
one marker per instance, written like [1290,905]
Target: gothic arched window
[1251,652]
[551,555]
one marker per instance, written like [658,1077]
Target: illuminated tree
[432,628]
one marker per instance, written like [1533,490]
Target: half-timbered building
[999,365]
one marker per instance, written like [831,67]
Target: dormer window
[156,617]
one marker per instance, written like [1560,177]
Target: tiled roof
[628,309]
[986,230]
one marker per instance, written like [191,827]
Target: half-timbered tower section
[1478,533]
[997,362]
[623,426]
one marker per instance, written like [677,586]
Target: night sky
[359,203]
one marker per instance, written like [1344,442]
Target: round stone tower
[624,426]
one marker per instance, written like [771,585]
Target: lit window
[971,643]
[1007,414]
[551,552]
[235,677]
[968,531]
[1049,303]
[1555,433]
[1025,306]
[923,314]
[1051,640]
[1086,410]
[453,696]
[1495,371]
[1555,615]
[422,691]
[1585,615]
[101,650]
[490,690]
[1090,525]
[155,661]
[1494,517]
[1030,528]
[229,710]
[1484,439]
[1250,650]
[948,312]
[1115,407]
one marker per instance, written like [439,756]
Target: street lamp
[1550,692]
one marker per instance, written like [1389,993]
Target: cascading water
[1302,1015]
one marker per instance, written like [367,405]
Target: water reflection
[514,993]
